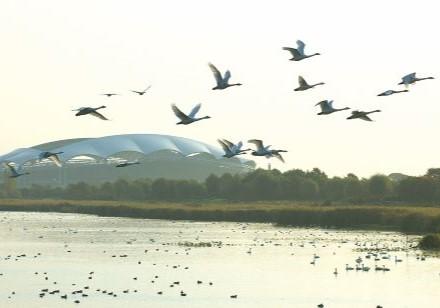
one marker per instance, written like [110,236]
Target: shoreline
[420,220]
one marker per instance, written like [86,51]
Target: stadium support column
[62,176]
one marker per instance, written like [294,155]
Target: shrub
[430,241]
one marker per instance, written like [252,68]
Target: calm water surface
[262,265]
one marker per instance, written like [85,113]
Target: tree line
[295,185]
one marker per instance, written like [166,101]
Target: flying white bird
[52,156]
[231,149]
[14,172]
[110,94]
[91,111]
[303,85]
[363,115]
[391,92]
[327,107]
[265,150]
[222,81]
[298,53]
[276,153]
[411,79]
[191,117]
[141,92]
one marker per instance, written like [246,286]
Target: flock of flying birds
[222,82]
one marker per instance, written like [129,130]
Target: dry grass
[225,206]
[401,218]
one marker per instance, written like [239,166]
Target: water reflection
[60,260]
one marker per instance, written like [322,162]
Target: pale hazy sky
[59,55]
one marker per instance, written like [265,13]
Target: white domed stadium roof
[104,147]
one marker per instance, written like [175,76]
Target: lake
[53,260]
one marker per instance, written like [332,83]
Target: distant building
[94,160]
[397,177]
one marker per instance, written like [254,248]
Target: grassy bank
[397,218]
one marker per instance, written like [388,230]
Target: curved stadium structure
[93,160]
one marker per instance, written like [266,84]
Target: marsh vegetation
[390,217]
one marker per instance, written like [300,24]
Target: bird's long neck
[234,84]
[202,118]
[340,109]
[100,107]
[317,84]
[373,111]
[315,54]
[400,91]
[424,78]
[244,151]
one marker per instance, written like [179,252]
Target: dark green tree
[379,186]
[212,184]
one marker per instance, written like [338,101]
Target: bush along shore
[374,217]
[430,242]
